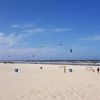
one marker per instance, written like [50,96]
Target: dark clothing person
[98,70]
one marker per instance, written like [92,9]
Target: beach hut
[16,70]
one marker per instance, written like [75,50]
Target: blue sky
[37,27]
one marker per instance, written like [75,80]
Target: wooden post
[64,69]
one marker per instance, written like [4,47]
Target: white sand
[50,83]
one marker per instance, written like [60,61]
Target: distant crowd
[93,69]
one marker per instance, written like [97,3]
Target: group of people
[98,70]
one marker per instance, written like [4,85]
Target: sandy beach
[48,83]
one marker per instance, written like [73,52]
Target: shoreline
[54,62]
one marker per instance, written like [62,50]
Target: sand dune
[48,83]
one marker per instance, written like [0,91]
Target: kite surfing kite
[71,50]
[60,44]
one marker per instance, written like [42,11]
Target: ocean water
[66,62]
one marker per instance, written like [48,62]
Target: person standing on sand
[98,70]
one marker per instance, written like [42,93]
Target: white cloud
[91,38]
[1,34]
[26,31]
[15,26]
[46,30]
[96,37]
[35,30]
[60,29]
[23,26]
[10,39]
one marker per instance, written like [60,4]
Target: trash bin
[16,70]
[70,70]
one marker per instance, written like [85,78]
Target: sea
[64,62]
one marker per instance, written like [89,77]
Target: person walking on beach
[98,70]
